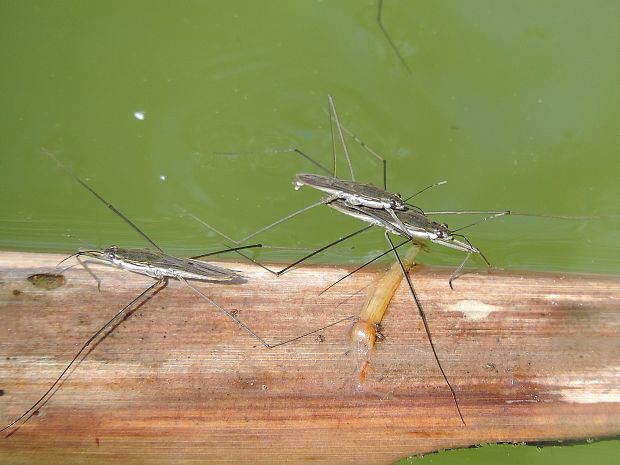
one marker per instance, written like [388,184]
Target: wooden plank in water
[532,356]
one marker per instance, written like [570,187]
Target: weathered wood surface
[531,356]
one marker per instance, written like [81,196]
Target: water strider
[156,264]
[413,225]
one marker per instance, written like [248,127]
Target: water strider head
[119,255]
[109,254]
[441,231]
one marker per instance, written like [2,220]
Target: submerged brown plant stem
[364,333]
[534,356]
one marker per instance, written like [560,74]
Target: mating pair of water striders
[373,205]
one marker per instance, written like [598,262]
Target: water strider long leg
[88,270]
[456,273]
[311,160]
[282,220]
[310,255]
[228,249]
[370,150]
[226,312]
[426,325]
[438,183]
[383,254]
[261,230]
[104,201]
[387,36]
[297,262]
[332,109]
[333,117]
[110,324]
[497,213]
[494,213]
[126,219]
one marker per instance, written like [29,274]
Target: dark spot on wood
[16,292]
[97,441]
[1,392]
[47,281]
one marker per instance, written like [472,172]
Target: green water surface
[193,104]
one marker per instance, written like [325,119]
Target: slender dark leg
[426,326]
[110,324]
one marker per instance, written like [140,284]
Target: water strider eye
[111,253]
[442,233]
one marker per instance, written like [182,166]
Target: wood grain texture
[532,356]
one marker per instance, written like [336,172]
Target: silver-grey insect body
[352,192]
[416,224]
[159,265]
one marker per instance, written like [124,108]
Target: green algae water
[603,453]
[198,104]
